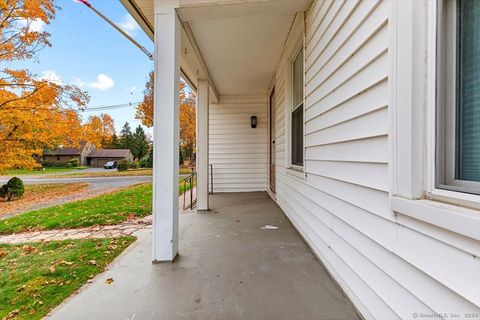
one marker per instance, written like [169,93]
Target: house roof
[66,151]
[109,153]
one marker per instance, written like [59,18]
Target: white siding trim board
[372,99]
[369,304]
[319,40]
[362,24]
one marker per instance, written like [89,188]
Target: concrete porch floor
[228,268]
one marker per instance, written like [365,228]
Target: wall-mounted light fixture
[253,121]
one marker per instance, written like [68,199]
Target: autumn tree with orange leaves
[187,115]
[34,113]
[99,130]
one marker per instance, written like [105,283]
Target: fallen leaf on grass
[109,281]
[12,314]
[29,249]
[67,263]
[39,195]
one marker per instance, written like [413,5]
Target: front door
[272,141]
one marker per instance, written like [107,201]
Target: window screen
[297,136]
[297,112]
[468,91]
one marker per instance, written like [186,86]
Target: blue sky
[88,52]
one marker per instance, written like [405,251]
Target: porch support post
[202,144]
[166,131]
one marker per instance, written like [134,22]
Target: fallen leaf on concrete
[109,281]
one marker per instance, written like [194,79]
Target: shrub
[143,163]
[74,162]
[134,165]
[123,165]
[47,164]
[14,188]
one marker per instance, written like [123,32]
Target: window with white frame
[297,110]
[458,96]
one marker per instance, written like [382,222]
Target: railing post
[184,194]
[211,178]
[191,191]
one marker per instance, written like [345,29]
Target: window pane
[297,136]
[298,80]
[468,91]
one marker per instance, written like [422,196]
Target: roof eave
[137,14]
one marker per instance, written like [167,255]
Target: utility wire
[112,107]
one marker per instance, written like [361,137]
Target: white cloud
[103,82]
[35,25]
[79,82]
[129,25]
[52,76]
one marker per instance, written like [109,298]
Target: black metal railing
[189,186]
[211,179]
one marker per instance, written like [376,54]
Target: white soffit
[242,53]
[242,43]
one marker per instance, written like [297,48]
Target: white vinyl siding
[238,152]
[390,266]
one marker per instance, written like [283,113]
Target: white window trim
[295,42]
[446,152]
[413,124]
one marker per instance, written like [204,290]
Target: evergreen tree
[126,137]
[140,143]
[114,143]
[150,158]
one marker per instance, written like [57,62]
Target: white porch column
[202,144]
[166,131]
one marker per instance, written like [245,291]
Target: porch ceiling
[241,41]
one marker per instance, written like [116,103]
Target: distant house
[98,157]
[65,154]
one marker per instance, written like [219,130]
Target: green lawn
[106,209]
[20,172]
[185,171]
[36,277]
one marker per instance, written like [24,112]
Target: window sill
[296,171]
[460,220]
